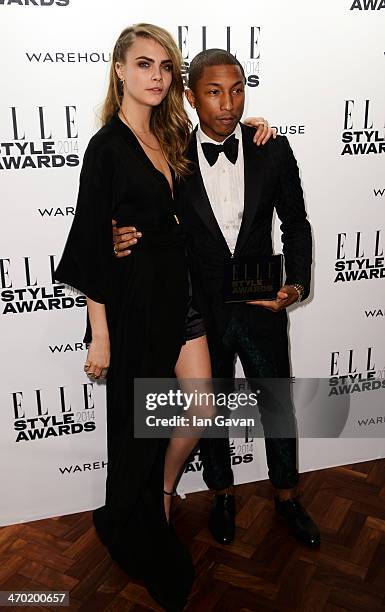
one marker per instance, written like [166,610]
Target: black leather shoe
[302,525]
[222,519]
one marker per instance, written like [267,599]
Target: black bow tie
[229,148]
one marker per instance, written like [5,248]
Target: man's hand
[123,238]
[264,132]
[286,296]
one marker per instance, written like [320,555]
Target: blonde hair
[169,121]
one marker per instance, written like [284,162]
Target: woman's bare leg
[193,363]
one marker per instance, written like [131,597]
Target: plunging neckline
[149,160]
[171,188]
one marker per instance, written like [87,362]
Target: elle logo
[40,123]
[351,360]
[209,39]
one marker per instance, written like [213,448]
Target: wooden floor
[265,568]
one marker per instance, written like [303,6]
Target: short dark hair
[211,57]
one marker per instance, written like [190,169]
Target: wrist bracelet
[300,289]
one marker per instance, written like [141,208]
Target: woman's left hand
[263,132]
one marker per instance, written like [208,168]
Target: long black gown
[146,297]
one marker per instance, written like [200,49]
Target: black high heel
[173,492]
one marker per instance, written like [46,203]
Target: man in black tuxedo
[228,204]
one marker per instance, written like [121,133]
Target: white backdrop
[315,70]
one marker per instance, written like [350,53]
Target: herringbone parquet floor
[265,569]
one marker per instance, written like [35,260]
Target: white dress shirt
[225,186]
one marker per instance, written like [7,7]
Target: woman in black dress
[140,322]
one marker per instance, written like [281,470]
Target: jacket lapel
[252,159]
[198,195]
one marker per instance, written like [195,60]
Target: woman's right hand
[98,358]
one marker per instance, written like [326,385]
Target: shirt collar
[202,137]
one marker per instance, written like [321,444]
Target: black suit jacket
[271,181]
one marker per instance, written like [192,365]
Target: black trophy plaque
[253,278]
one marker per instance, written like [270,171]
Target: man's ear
[190,97]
